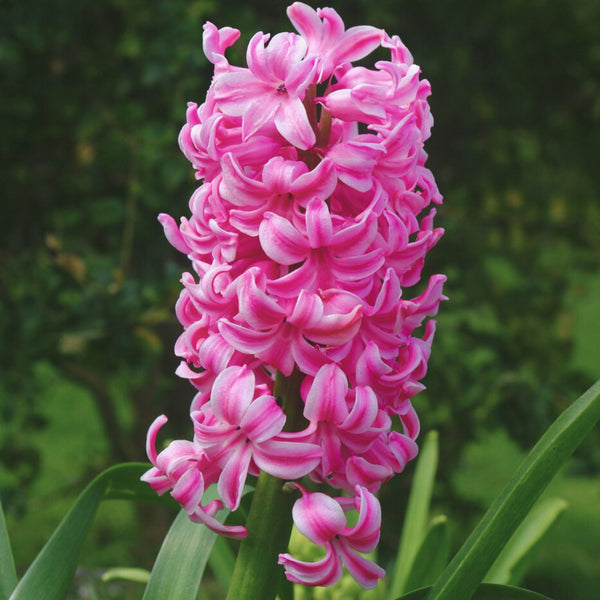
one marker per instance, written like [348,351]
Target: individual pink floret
[327,40]
[240,432]
[185,469]
[321,519]
[272,89]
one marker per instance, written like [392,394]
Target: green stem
[256,573]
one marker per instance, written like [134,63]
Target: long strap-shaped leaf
[486,591]
[417,514]
[432,556]
[516,557]
[8,575]
[51,573]
[470,565]
[182,558]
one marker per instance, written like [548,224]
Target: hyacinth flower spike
[311,222]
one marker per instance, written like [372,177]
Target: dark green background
[92,98]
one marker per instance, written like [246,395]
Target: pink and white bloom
[240,431]
[326,38]
[312,219]
[321,519]
[271,90]
[185,469]
[345,422]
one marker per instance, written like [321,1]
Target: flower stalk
[256,573]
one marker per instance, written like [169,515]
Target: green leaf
[222,561]
[417,513]
[470,565]
[182,558]
[516,557]
[124,484]
[432,556]
[8,575]
[51,573]
[485,591]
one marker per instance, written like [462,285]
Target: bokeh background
[92,98]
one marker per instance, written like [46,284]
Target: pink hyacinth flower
[241,433]
[185,468]
[346,422]
[311,221]
[271,90]
[327,40]
[321,519]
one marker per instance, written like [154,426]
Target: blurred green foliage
[93,96]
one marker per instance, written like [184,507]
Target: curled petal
[237,532]
[308,357]
[403,449]
[281,241]
[216,41]
[189,489]
[157,480]
[357,42]
[263,419]
[291,285]
[318,517]
[336,329]
[354,161]
[173,234]
[319,182]
[257,308]
[325,572]
[326,400]
[308,311]
[365,534]
[233,477]
[245,340]
[215,353]
[364,473]
[209,433]
[232,393]
[292,123]
[365,571]
[363,411]
[318,223]
[286,459]
[151,437]
[354,268]
[410,422]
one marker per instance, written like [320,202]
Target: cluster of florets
[312,217]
